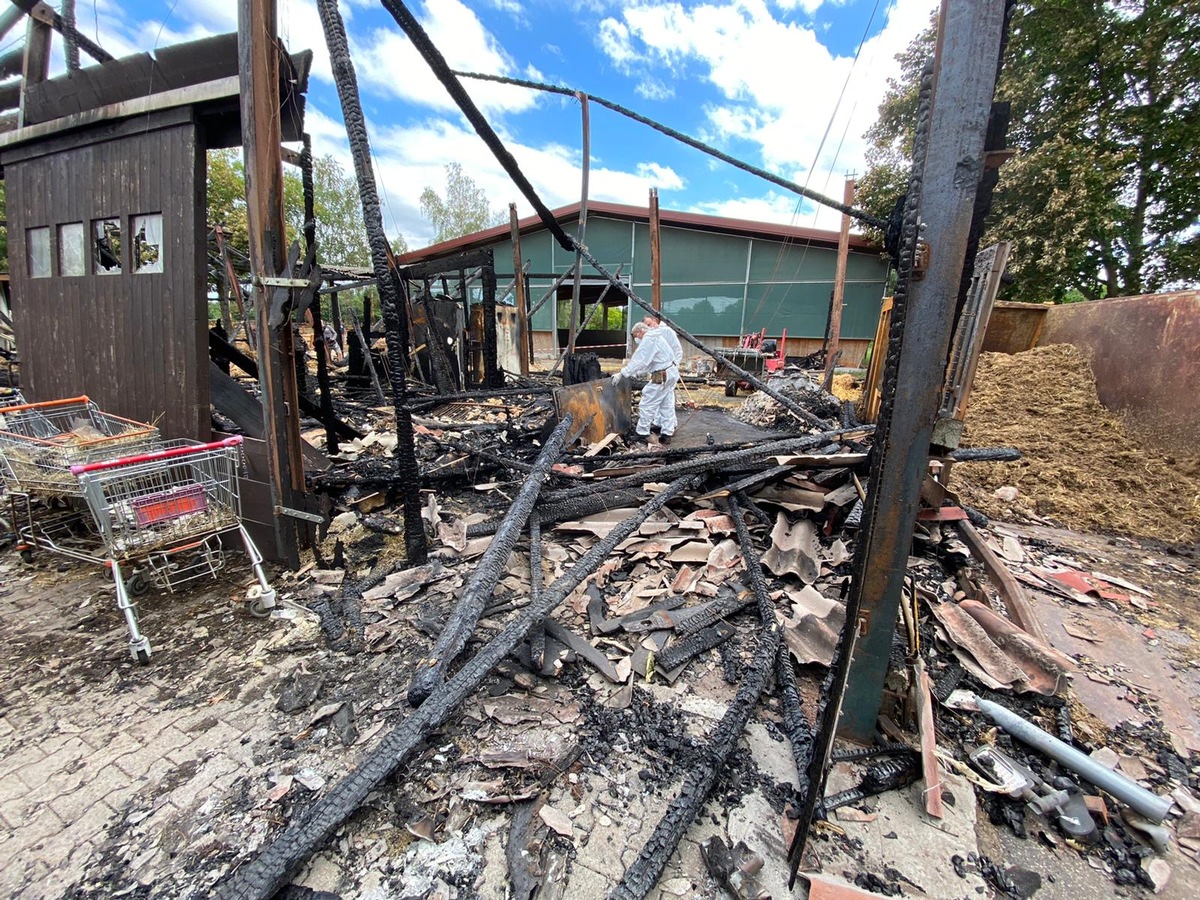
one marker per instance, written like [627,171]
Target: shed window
[72,252]
[37,246]
[147,243]
[106,246]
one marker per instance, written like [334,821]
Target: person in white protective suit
[654,359]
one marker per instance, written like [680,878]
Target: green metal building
[721,278]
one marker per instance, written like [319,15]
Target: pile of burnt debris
[587,591]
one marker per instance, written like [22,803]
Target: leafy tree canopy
[1103,197]
[341,237]
[463,210]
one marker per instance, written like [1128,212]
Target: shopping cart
[40,442]
[161,517]
[10,396]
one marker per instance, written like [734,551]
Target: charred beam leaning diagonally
[267,873]
[395,312]
[420,40]
[431,672]
[860,215]
[639,879]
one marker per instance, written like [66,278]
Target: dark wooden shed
[105,187]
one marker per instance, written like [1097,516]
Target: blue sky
[760,79]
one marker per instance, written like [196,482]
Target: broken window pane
[106,246]
[147,243]
[37,246]
[71,249]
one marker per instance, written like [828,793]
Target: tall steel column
[970,39]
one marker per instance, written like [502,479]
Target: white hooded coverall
[655,354]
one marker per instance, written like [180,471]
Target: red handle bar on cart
[45,404]
[173,453]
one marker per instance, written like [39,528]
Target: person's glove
[618,378]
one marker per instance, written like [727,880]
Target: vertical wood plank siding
[135,343]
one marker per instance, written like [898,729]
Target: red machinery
[758,355]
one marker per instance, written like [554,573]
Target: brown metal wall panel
[1144,353]
[1014,327]
[133,342]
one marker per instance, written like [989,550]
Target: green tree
[463,210]
[341,236]
[1103,197]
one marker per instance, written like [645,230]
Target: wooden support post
[223,302]
[581,232]
[70,36]
[335,310]
[258,58]
[839,284]
[35,64]
[655,254]
[524,333]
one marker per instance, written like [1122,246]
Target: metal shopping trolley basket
[160,517]
[40,442]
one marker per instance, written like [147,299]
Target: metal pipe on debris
[1135,796]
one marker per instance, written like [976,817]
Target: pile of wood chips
[1081,467]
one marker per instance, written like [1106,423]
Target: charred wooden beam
[537,635]
[391,296]
[552,513]
[431,672]
[712,613]
[640,878]
[418,403]
[268,872]
[685,649]
[795,723]
[40,11]
[985,454]
[712,463]
[222,349]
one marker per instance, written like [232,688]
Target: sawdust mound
[1081,467]
[847,387]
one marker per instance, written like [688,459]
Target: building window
[72,252]
[37,247]
[147,243]
[106,246]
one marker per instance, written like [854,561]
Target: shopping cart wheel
[27,555]
[261,602]
[137,584]
[140,650]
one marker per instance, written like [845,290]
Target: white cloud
[387,62]
[779,83]
[652,89]
[412,156]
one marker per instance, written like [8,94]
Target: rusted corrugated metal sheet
[1145,358]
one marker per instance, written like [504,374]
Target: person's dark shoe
[632,437]
[664,440]
[655,429]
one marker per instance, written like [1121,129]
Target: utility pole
[524,339]
[258,59]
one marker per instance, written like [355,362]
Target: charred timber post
[524,327]
[970,39]
[492,376]
[40,12]
[267,873]
[310,240]
[258,54]
[655,253]
[581,230]
[641,877]
[70,36]
[431,672]
[395,311]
